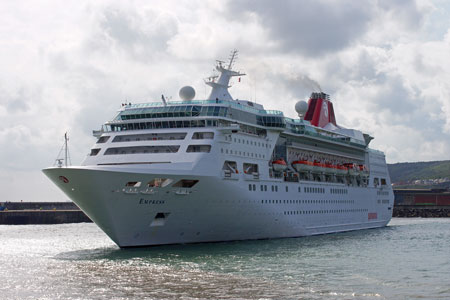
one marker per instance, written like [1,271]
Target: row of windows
[138,150]
[164,124]
[330,201]
[316,190]
[382,193]
[383,201]
[243,153]
[248,142]
[378,181]
[270,121]
[326,211]
[174,112]
[338,191]
[151,149]
[156,137]
[162,182]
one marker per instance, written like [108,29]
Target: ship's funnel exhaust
[320,110]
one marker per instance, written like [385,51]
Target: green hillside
[419,170]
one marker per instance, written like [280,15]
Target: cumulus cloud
[310,27]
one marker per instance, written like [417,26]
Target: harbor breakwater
[421,211]
[25,213]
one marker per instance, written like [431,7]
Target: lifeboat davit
[330,168]
[352,169]
[341,170]
[279,165]
[363,170]
[303,165]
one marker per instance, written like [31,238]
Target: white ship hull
[216,209]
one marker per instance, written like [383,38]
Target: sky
[66,66]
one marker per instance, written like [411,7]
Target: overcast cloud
[68,66]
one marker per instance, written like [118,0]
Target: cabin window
[102,139]
[185,183]
[230,167]
[94,152]
[250,168]
[383,181]
[376,182]
[199,148]
[159,182]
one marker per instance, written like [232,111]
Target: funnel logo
[325,109]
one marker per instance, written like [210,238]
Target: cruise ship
[224,169]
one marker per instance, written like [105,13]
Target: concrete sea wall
[417,211]
[24,213]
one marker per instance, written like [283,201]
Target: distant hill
[404,172]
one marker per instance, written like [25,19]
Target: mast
[220,88]
[65,147]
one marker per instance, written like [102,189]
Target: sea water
[409,259]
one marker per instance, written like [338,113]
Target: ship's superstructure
[222,169]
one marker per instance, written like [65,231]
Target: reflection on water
[78,261]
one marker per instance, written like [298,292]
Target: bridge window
[102,139]
[94,152]
[203,135]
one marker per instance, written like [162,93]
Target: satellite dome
[301,107]
[187,93]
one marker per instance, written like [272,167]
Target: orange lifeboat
[319,167]
[341,170]
[352,169]
[303,165]
[330,168]
[279,165]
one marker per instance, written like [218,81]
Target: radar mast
[220,88]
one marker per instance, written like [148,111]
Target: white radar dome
[301,107]
[187,93]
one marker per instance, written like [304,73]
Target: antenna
[233,56]
[164,100]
